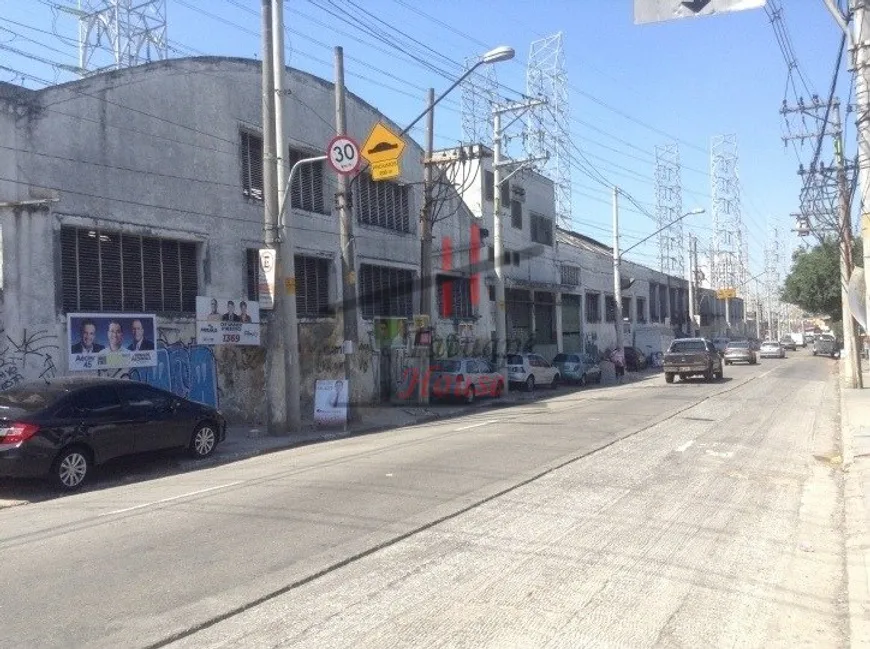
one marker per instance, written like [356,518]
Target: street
[640,515]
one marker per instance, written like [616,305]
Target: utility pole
[861,54]
[498,166]
[348,263]
[426,213]
[617,276]
[692,277]
[276,410]
[286,258]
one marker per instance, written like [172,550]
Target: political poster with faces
[106,341]
[227,321]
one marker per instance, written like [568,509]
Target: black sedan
[63,427]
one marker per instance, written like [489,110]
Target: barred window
[383,203]
[640,306]
[459,290]
[307,191]
[252,165]
[593,307]
[312,283]
[385,291]
[505,195]
[542,229]
[517,215]
[609,308]
[110,271]
[570,275]
[312,287]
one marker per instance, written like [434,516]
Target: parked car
[635,359]
[692,357]
[578,368]
[825,345]
[63,427]
[772,349]
[531,370]
[788,343]
[740,351]
[464,378]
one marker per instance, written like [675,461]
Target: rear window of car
[740,344]
[769,344]
[514,359]
[447,366]
[566,358]
[688,346]
[30,399]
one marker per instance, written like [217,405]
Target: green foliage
[814,281]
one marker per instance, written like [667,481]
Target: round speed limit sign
[343,154]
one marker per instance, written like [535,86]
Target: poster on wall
[266,282]
[330,402]
[104,341]
[227,321]
[390,333]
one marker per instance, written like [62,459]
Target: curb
[856,526]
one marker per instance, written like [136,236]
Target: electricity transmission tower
[772,280]
[116,34]
[548,128]
[479,95]
[725,252]
[669,209]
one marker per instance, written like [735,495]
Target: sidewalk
[855,425]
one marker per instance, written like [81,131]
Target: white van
[798,338]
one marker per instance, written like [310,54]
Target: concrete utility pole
[348,262]
[498,165]
[426,213]
[692,277]
[276,410]
[617,275]
[286,258]
[861,54]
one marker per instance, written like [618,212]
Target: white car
[772,349]
[532,370]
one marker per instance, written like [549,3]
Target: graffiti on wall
[29,356]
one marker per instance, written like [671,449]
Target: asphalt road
[641,515]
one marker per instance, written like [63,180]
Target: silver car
[772,349]
[740,351]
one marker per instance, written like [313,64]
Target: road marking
[480,423]
[725,454]
[685,447]
[170,499]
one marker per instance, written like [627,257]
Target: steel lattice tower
[479,93]
[725,253]
[548,126]
[772,279]
[120,33]
[669,208]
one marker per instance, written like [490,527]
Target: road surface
[641,515]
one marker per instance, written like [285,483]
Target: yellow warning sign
[726,293]
[382,151]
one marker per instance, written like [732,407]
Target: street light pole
[617,276]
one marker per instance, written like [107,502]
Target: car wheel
[728,362]
[530,384]
[669,377]
[469,394]
[684,377]
[708,375]
[499,389]
[203,442]
[582,381]
[555,382]
[719,374]
[71,468]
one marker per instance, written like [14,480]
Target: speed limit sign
[343,154]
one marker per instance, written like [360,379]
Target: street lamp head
[499,54]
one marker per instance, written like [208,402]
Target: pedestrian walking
[617,357]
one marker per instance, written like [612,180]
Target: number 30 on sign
[343,154]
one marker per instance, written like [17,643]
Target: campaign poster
[227,321]
[108,341]
[390,333]
[330,402]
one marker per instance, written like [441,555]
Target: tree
[814,281]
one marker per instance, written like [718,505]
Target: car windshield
[514,359]
[688,346]
[447,366]
[30,398]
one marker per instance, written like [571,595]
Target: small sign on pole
[343,155]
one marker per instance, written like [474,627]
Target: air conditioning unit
[518,193]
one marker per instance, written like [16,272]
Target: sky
[630,87]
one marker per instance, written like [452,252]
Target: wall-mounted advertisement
[107,341]
[227,321]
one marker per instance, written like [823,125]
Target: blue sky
[631,87]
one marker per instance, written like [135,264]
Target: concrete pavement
[855,431]
[642,515]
